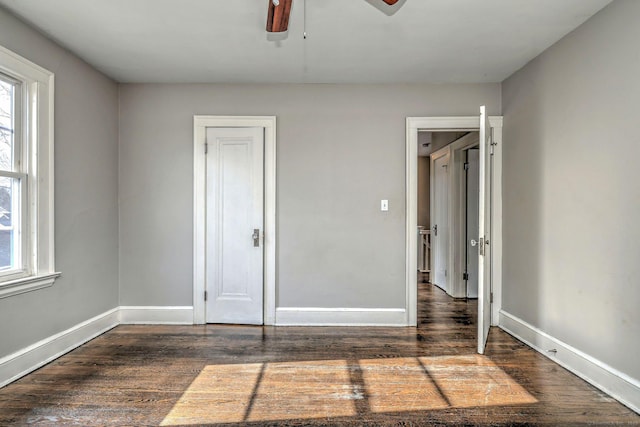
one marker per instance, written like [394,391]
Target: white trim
[469,123]
[150,315]
[14,64]
[24,361]
[318,316]
[27,284]
[200,123]
[38,90]
[608,379]
[411,240]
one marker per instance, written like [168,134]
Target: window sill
[27,284]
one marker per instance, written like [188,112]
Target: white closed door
[440,221]
[484,231]
[234,236]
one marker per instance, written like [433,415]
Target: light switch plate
[384,205]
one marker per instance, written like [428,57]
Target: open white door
[484,223]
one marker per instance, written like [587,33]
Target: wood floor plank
[254,376]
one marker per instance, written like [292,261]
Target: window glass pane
[10,243]
[7,120]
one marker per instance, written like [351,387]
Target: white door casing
[484,231]
[234,256]
[200,125]
[440,217]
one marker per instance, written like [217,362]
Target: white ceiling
[349,41]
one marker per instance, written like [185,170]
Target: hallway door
[440,217]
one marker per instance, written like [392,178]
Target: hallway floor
[284,376]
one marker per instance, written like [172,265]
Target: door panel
[473,174]
[484,216]
[440,231]
[234,263]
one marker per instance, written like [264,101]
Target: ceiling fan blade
[278,16]
[390,2]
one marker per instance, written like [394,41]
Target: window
[26,176]
[12,182]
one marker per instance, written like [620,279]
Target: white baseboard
[613,382]
[313,316]
[29,359]
[150,315]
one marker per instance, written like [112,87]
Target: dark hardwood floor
[245,376]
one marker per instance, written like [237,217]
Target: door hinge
[465,276]
[493,144]
[491,297]
[206,295]
[206,147]
[466,166]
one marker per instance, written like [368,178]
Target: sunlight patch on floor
[265,392]
[304,390]
[219,394]
[427,383]
[340,388]
[474,380]
[399,385]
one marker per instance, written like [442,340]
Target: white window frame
[35,137]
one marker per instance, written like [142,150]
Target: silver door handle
[480,243]
[256,237]
[435,230]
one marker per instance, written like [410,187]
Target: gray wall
[341,149]
[572,189]
[86,216]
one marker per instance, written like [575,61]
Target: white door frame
[200,124]
[453,124]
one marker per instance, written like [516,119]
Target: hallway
[237,375]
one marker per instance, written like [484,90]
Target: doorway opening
[447,214]
[450,142]
[448,173]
